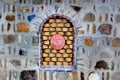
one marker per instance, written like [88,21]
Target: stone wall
[94,48]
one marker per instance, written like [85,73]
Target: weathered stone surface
[15,63]
[116,42]
[117,18]
[88,41]
[9,38]
[10,17]
[101,65]
[28,75]
[89,17]
[76,8]
[105,28]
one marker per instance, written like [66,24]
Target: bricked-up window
[57,42]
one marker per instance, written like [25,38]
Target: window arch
[57,42]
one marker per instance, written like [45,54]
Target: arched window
[57,42]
